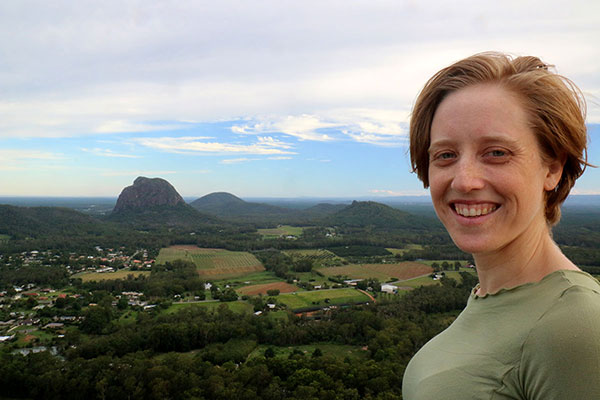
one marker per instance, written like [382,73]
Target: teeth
[474,210]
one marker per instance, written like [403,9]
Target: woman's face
[486,174]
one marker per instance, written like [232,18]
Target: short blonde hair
[554,105]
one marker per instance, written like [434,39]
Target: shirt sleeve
[561,356]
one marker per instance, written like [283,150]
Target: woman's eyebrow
[484,139]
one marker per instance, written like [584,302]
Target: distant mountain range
[152,203]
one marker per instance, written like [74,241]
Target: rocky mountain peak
[148,192]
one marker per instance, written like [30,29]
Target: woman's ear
[555,169]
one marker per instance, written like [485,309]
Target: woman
[500,142]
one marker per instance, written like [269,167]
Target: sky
[265,98]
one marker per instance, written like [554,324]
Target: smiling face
[486,174]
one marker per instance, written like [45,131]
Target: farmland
[383,272]
[103,276]
[319,257]
[212,263]
[408,247]
[317,298]
[282,230]
[263,288]
[426,280]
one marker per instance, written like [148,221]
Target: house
[54,325]
[387,288]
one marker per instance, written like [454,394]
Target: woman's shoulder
[574,283]
[563,345]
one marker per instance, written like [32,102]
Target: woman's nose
[468,176]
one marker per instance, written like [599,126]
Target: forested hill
[164,216]
[231,208]
[35,222]
[227,205]
[377,215]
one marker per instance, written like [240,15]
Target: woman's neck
[528,259]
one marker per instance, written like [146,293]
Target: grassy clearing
[317,298]
[212,263]
[254,278]
[383,272]
[405,249]
[451,262]
[427,280]
[328,349]
[312,277]
[4,238]
[104,276]
[282,230]
[236,306]
[253,290]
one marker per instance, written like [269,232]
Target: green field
[319,257]
[212,263]
[104,276]
[254,278]
[427,280]
[405,249]
[384,272]
[282,230]
[4,238]
[315,298]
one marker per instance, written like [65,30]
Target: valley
[261,303]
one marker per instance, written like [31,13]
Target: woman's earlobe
[555,170]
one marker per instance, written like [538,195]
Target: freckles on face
[486,175]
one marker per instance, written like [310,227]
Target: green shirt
[535,341]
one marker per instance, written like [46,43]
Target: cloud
[303,127]
[21,160]
[383,127]
[237,160]
[137,173]
[130,126]
[197,145]
[108,153]
[67,77]
[280,158]
[20,154]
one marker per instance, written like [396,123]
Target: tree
[269,352]
[457,265]
[122,303]
[273,292]
[445,266]
[303,265]
[96,319]
[228,295]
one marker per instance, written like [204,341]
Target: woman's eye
[497,153]
[445,156]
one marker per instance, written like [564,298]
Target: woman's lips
[474,209]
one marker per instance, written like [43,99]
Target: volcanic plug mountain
[147,192]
